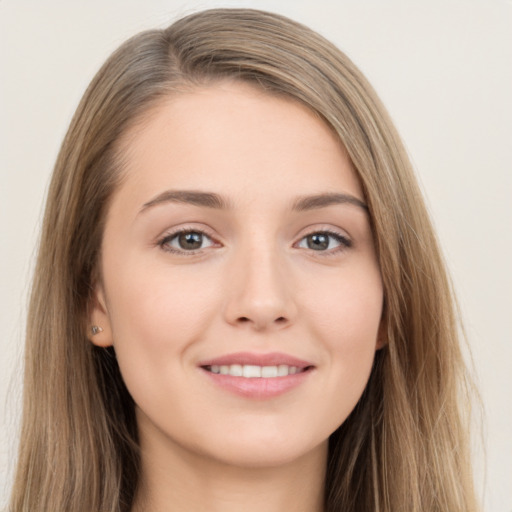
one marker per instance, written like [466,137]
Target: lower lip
[258,387]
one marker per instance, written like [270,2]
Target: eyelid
[173,233]
[335,231]
[345,241]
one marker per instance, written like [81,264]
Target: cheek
[159,301]
[156,314]
[346,319]
[157,317]
[346,310]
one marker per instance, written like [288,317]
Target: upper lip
[249,358]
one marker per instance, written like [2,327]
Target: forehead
[236,140]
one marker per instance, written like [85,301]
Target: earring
[96,329]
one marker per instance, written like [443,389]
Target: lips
[247,358]
[257,376]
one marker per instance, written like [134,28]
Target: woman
[239,301]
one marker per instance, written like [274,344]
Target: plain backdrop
[443,69]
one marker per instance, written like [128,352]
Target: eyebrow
[215,201]
[207,199]
[323,200]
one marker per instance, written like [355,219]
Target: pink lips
[258,387]
[270,359]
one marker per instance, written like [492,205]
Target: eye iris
[318,241]
[190,240]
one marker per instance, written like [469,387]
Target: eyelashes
[191,241]
[321,241]
[186,241]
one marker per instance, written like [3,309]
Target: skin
[255,285]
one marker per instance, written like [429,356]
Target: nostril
[280,320]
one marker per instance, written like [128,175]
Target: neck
[177,479]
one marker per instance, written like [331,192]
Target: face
[240,286]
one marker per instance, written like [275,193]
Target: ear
[99,318]
[382,333]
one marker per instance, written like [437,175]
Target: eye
[186,240]
[323,241]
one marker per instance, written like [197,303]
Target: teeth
[269,371]
[236,370]
[282,370]
[251,371]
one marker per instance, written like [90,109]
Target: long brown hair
[404,447]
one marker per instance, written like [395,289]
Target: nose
[260,291]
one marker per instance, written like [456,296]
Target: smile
[257,376]
[250,371]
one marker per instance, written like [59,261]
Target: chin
[266,449]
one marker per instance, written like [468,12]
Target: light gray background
[442,67]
